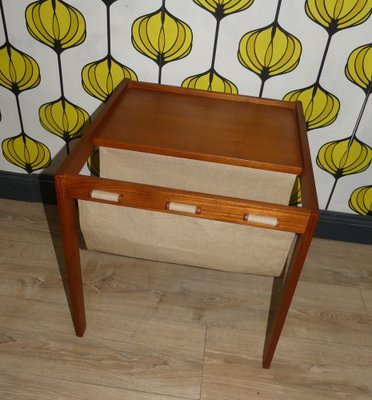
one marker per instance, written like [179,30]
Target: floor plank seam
[369,320]
[40,301]
[164,395]
[203,360]
[312,340]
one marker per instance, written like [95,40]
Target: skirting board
[36,188]
[332,225]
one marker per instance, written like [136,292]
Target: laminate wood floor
[166,332]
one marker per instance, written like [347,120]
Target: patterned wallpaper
[60,59]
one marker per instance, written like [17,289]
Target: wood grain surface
[174,121]
[168,332]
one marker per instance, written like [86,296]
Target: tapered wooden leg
[68,221]
[283,291]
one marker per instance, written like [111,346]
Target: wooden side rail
[213,207]
[285,287]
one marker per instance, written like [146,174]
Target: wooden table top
[229,129]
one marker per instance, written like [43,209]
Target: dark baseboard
[344,227]
[36,188]
[332,225]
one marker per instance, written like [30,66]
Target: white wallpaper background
[59,60]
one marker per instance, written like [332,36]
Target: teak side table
[230,132]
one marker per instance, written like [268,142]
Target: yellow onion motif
[359,67]
[296,197]
[320,107]
[361,200]
[344,157]
[64,119]
[210,81]
[269,51]
[56,24]
[101,77]
[221,8]
[18,71]
[93,162]
[161,37]
[26,153]
[335,15]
